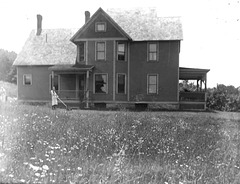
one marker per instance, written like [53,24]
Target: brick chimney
[87,16]
[39,24]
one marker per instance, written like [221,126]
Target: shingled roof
[143,24]
[52,47]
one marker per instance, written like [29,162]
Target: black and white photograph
[120,92]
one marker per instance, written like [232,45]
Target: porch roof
[192,73]
[71,68]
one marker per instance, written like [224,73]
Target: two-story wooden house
[118,57]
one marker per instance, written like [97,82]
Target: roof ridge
[170,17]
[55,29]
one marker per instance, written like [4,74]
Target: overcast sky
[211,28]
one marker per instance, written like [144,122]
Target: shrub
[223,98]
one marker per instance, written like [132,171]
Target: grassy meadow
[38,145]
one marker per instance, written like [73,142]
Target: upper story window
[121,52]
[27,79]
[152,52]
[81,51]
[100,51]
[100,27]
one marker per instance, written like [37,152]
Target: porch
[72,83]
[194,98]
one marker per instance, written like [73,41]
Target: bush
[223,98]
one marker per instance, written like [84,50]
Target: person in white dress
[54,98]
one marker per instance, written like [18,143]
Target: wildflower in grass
[119,159]
[37,174]
[183,124]
[35,168]
[22,180]
[48,159]
[45,167]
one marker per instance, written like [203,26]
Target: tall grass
[45,146]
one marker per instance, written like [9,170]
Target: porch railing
[192,96]
[75,95]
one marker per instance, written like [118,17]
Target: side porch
[193,97]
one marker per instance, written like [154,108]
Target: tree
[12,75]
[7,71]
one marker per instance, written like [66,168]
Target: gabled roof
[52,47]
[140,24]
[94,16]
[144,24]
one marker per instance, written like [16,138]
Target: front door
[81,86]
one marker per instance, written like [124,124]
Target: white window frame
[125,83]
[148,51]
[125,51]
[100,23]
[152,74]
[24,82]
[94,77]
[96,51]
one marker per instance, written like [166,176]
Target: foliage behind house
[7,72]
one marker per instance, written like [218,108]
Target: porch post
[87,94]
[205,82]
[201,85]
[205,92]
[197,85]
[52,79]
[77,92]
